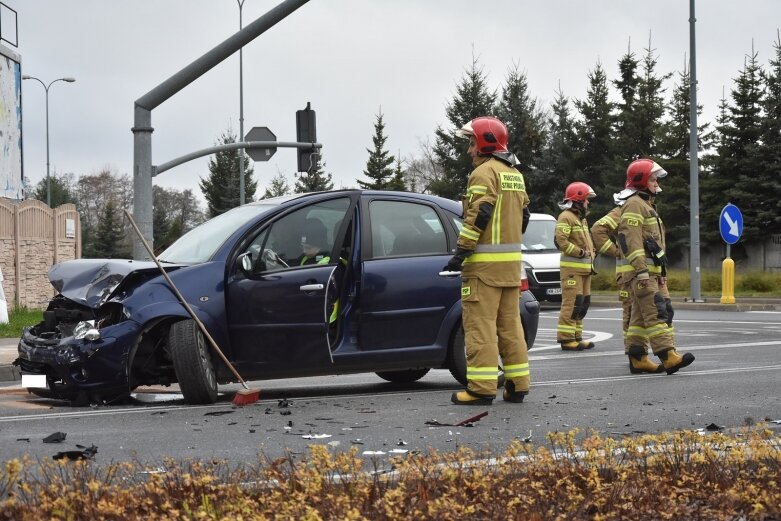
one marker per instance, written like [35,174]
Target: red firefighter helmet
[490,133]
[640,171]
[578,192]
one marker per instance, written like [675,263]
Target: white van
[541,258]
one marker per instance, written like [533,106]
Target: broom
[244,396]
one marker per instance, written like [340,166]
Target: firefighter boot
[571,345]
[586,345]
[470,398]
[511,395]
[640,363]
[672,360]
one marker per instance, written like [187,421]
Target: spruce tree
[545,185]
[378,167]
[626,120]
[221,189]
[316,180]
[738,166]
[279,186]
[770,151]
[397,181]
[650,106]
[716,181]
[473,98]
[594,154]
[110,240]
[674,202]
[161,219]
[525,120]
[62,191]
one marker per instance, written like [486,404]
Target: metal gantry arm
[156,170]
[142,119]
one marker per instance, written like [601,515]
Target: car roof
[541,217]
[447,204]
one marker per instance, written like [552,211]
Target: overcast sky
[347,57]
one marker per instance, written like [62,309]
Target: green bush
[759,283]
[755,283]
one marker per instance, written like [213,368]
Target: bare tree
[423,169]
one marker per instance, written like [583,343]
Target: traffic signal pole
[142,123]
[694,187]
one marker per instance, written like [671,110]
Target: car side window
[403,229]
[304,237]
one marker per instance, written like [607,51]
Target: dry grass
[677,476]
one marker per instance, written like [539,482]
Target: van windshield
[539,236]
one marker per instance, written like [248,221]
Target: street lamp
[241,110]
[46,88]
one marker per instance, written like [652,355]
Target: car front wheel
[457,359]
[192,363]
[403,377]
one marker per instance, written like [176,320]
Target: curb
[9,373]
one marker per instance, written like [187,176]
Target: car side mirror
[245,261]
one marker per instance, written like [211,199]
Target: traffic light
[306,132]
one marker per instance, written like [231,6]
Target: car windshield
[200,243]
[539,236]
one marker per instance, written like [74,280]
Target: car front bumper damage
[79,368]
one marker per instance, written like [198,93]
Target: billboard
[10,124]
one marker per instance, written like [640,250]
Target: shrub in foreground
[678,476]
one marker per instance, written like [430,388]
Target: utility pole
[694,186]
[241,111]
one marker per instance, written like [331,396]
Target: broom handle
[184,302]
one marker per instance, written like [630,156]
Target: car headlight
[86,330]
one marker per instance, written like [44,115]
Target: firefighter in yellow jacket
[604,232]
[641,239]
[573,240]
[488,254]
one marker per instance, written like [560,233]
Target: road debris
[73,455]
[55,437]
[465,423]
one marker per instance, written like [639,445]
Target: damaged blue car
[305,285]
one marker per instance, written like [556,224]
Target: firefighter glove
[455,262]
[655,252]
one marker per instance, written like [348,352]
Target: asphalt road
[733,382]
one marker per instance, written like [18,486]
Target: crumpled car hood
[92,281]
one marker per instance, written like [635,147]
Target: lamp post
[241,110]
[46,88]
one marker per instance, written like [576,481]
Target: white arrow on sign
[733,226]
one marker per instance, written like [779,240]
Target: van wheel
[403,377]
[192,363]
[456,359]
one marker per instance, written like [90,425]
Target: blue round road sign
[731,223]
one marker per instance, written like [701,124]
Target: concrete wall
[34,237]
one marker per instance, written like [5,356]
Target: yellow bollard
[728,281]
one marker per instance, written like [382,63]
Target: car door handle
[311,287]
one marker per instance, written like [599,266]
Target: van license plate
[553,291]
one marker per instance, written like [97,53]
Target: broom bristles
[246,396]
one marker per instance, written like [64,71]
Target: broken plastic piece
[73,455]
[55,437]
[463,423]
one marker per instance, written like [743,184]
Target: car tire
[403,377]
[457,359]
[192,363]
